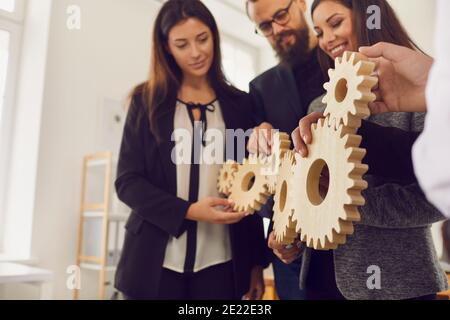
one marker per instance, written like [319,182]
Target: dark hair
[165,76]
[391,29]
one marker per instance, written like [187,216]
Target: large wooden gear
[226,177]
[281,143]
[249,189]
[349,90]
[325,222]
[284,227]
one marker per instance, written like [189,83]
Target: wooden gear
[280,144]
[324,223]
[226,177]
[249,189]
[349,90]
[284,227]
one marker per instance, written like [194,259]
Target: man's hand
[261,139]
[287,254]
[403,76]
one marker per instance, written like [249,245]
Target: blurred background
[64,84]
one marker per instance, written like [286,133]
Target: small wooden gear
[226,177]
[324,223]
[281,143]
[249,190]
[349,90]
[284,227]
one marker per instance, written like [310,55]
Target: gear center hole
[248,182]
[341,90]
[318,182]
[283,196]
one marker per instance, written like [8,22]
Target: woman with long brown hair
[183,241]
[391,254]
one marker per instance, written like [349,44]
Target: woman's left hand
[257,286]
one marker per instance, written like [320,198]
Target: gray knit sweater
[393,237]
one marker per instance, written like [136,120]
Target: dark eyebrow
[274,15]
[183,39]
[334,15]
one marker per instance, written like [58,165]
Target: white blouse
[213,240]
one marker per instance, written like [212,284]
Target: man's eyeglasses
[281,17]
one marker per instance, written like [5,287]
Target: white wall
[418,17]
[105,59]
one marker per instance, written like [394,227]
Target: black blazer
[275,99]
[275,94]
[146,182]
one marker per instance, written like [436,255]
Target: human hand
[403,76]
[261,139]
[206,210]
[287,254]
[302,135]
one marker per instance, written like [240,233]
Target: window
[239,62]
[4,53]
[8,5]
[11,17]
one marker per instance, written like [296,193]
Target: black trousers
[213,283]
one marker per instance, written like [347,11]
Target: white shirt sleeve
[431,152]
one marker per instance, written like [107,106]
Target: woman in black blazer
[182,240]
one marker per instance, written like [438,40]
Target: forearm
[395,206]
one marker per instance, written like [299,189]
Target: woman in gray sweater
[391,254]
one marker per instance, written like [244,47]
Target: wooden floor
[271,293]
[445,295]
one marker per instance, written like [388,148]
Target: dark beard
[296,54]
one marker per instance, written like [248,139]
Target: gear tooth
[362,110]
[330,74]
[365,67]
[358,169]
[358,184]
[345,228]
[352,213]
[356,154]
[355,198]
[367,82]
[352,140]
